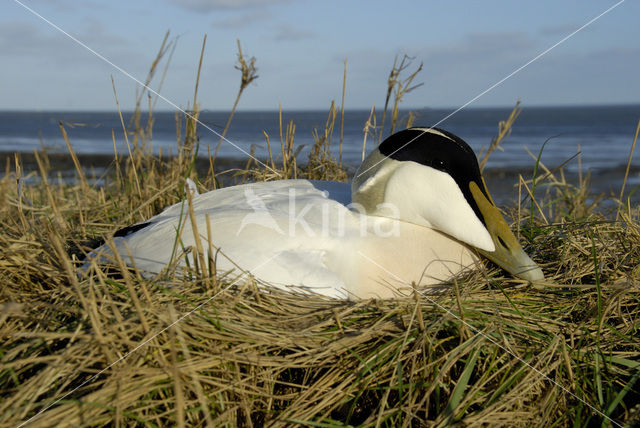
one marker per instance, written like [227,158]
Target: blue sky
[300,47]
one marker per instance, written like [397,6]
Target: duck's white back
[301,233]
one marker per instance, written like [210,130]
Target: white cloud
[211,5]
[46,69]
[562,30]
[25,39]
[286,32]
[483,50]
[457,71]
[242,20]
[38,43]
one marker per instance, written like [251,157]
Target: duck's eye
[439,164]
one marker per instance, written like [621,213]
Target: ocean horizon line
[524,107]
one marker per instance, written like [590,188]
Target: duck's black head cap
[441,150]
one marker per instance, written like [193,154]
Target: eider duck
[417,213]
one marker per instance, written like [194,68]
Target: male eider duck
[417,212]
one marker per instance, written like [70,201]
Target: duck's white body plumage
[401,222]
[302,233]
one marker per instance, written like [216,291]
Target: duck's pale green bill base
[508,253]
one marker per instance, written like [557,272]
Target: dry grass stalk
[626,172]
[143,135]
[211,258]
[134,167]
[200,267]
[369,128]
[188,151]
[399,88]
[248,73]
[504,130]
[344,89]
[161,53]
[411,119]
[391,84]
[76,163]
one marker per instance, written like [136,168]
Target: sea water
[595,138]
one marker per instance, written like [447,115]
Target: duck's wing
[284,232]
